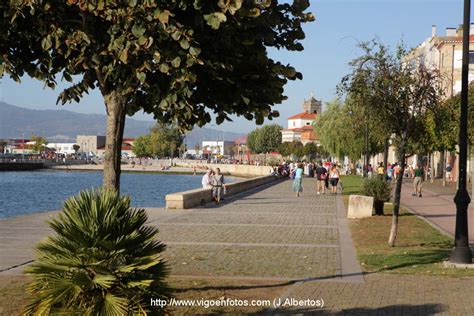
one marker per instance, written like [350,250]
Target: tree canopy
[39,143]
[179,60]
[164,140]
[265,140]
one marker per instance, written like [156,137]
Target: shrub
[102,260]
[378,188]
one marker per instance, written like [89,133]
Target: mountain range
[64,126]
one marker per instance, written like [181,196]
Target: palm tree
[102,260]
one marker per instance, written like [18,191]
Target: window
[308,123]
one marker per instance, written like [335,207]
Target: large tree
[179,60]
[165,140]
[401,95]
[39,143]
[142,147]
[341,129]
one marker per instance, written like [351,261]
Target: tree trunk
[471,165]
[115,105]
[443,167]
[398,192]
[385,154]
[432,166]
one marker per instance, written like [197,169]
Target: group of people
[214,180]
[325,173]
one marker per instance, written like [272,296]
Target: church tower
[312,106]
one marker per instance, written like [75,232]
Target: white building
[220,147]
[300,126]
[62,148]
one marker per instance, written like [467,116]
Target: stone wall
[232,169]
[198,197]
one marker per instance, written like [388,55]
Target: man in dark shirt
[321,175]
[417,180]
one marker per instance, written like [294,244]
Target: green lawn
[420,248]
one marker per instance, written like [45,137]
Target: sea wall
[20,166]
[232,169]
[199,197]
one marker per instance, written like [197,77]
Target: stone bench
[199,197]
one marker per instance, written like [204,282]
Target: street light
[461,252]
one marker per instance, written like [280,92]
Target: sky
[330,44]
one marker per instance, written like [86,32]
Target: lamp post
[461,252]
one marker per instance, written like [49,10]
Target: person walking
[449,169]
[298,180]
[321,175]
[417,180]
[334,178]
[380,171]
[218,183]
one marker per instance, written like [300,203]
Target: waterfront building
[127,148]
[90,144]
[62,148]
[444,53]
[217,148]
[301,126]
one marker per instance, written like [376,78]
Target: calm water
[29,192]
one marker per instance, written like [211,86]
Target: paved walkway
[438,209]
[267,237]
[265,234]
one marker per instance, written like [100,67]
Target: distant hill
[64,126]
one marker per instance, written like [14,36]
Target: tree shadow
[419,259]
[262,286]
[399,309]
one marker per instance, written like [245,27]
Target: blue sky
[329,45]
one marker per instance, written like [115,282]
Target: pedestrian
[334,178]
[321,175]
[218,186]
[370,171]
[449,169]
[298,180]
[380,171]
[417,180]
[206,180]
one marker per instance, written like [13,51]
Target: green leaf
[46,43]
[142,40]
[194,51]
[164,68]
[141,76]
[215,19]
[184,43]
[246,100]
[162,16]
[124,56]
[138,30]
[176,62]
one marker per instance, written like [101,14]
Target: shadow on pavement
[402,309]
[259,286]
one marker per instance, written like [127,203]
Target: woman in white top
[334,178]
[206,180]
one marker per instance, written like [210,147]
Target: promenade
[437,208]
[269,243]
